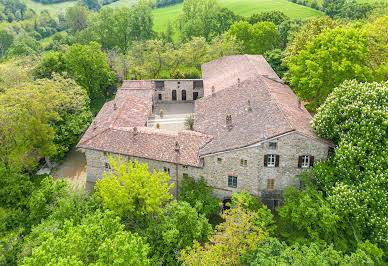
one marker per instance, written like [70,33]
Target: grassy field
[241,7]
[52,8]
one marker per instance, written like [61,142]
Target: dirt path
[73,169]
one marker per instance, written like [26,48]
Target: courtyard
[174,115]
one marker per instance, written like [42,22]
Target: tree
[77,17]
[225,18]
[329,59]
[277,17]
[199,19]
[199,196]
[257,38]
[99,239]
[6,40]
[333,7]
[15,72]
[274,252]
[307,33]
[131,191]
[274,58]
[223,45]
[236,236]
[87,65]
[175,229]
[354,117]
[93,5]
[26,113]
[51,62]
[378,47]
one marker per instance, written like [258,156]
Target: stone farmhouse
[250,130]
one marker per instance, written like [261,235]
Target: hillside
[241,7]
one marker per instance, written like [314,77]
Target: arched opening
[174,95]
[183,95]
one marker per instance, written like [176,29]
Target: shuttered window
[271,160]
[305,161]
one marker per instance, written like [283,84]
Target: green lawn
[241,7]
[52,8]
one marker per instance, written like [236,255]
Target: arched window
[183,95]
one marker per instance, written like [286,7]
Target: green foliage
[307,213]
[264,217]
[131,191]
[277,17]
[355,117]
[257,38]
[307,33]
[51,62]
[100,239]
[198,18]
[274,252]
[93,5]
[231,239]
[175,229]
[76,17]
[15,189]
[329,59]
[274,58]
[199,196]
[6,40]
[87,65]
[43,200]
[24,47]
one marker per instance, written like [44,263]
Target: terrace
[174,115]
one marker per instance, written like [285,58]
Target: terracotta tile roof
[225,71]
[274,108]
[151,143]
[113,130]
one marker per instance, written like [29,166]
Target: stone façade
[241,106]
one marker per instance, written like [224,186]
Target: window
[271,160]
[243,162]
[272,146]
[160,96]
[232,181]
[166,170]
[107,166]
[270,184]
[219,160]
[305,161]
[185,167]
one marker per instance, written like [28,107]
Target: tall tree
[257,38]
[100,239]
[329,59]
[87,65]
[77,17]
[6,40]
[131,191]
[355,118]
[199,18]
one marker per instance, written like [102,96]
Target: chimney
[177,147]
[135,131]
[229,124]
[249,108]
[94,124]
[299,103]
[115,106]
[238,82]
[213,90]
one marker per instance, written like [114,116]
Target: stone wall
[218,167]
[179,86]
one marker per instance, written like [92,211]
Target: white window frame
[271,160]
[232,181]
[305,161]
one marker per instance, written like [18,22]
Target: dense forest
[56,71]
